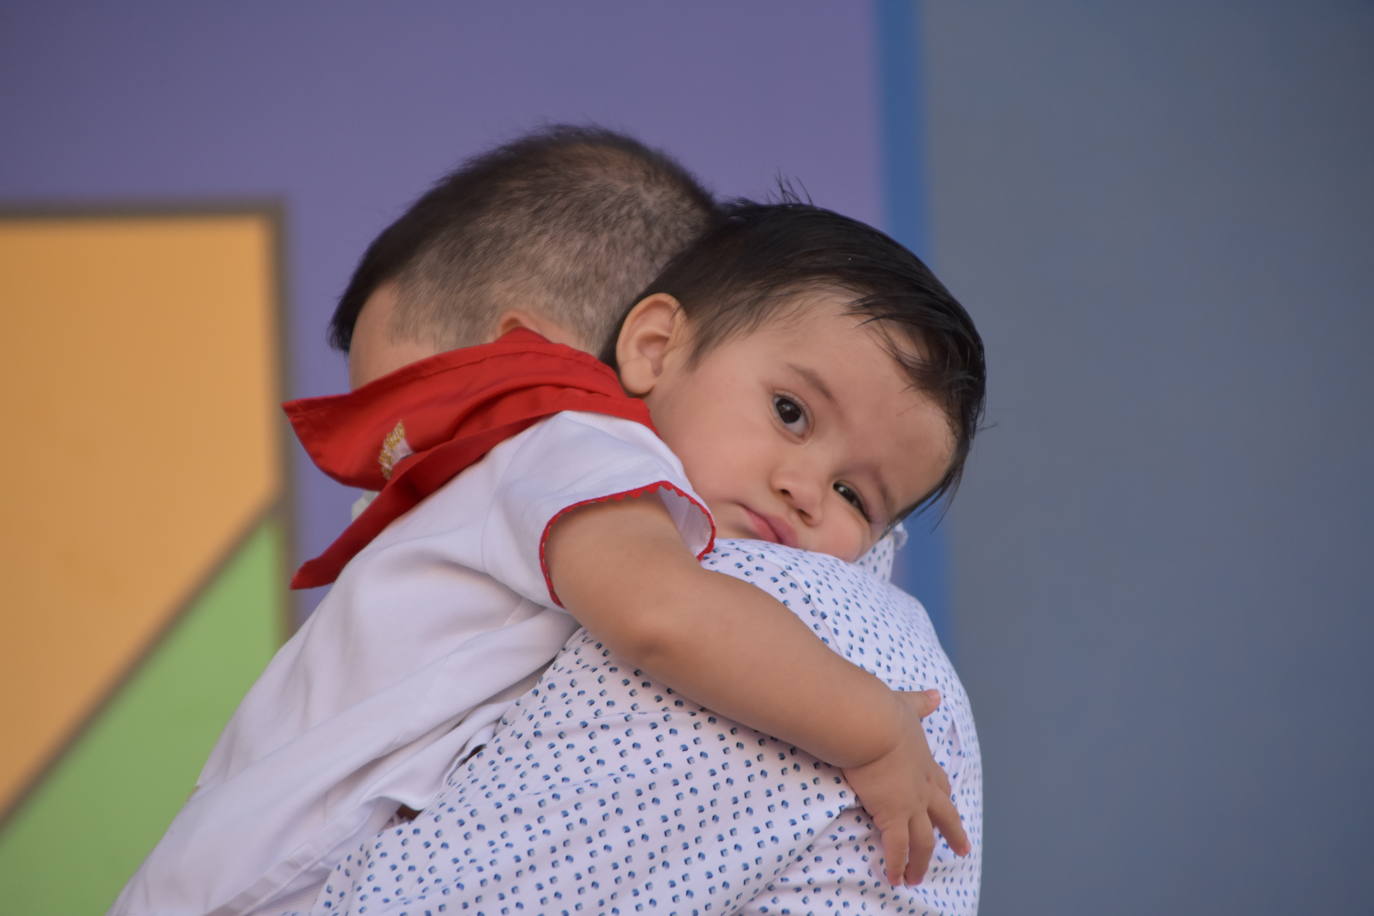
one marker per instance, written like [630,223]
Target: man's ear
[652,330]
[551,330]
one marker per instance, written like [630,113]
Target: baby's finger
[894,852]
[922,844]
[922,702]
[942,782]
[946,817]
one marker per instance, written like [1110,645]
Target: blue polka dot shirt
[604,791]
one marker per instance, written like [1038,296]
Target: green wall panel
[85,829]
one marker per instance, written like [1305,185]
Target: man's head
[818,382]
[557,230]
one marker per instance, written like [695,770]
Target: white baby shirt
[427,636]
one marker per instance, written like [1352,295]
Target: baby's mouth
[767,528]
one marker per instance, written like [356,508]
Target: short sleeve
[574,459]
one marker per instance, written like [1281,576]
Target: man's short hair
[760,258]
[567,222]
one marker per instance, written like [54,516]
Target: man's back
[603,788]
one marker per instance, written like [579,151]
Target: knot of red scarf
[410,432]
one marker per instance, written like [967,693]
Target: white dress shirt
[603,791]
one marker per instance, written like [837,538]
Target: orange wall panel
[139,389]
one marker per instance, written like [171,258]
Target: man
[420,270]
[604,791]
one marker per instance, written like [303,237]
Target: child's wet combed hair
[567,221]
[751,267]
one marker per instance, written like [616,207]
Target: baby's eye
[851,496]
[792,414]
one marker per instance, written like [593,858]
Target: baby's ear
[653,328]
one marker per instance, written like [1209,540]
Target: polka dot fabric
[606,792]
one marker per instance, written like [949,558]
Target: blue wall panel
[923,562]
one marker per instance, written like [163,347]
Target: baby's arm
[622,570]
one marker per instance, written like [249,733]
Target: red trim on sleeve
[624,494]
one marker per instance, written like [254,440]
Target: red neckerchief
[409,433]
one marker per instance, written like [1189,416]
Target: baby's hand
[906,792]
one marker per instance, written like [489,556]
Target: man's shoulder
[860,615]
[816,584]
[818,575]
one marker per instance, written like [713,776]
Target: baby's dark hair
[751,268]
[567,221]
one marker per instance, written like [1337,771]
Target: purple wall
[344,112]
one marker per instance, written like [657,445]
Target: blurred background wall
[1162,216]
[1159,216]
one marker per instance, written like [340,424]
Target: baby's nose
[803,496]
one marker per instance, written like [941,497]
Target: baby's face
[806,432]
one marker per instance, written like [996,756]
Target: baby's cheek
[865,539]
[849,545]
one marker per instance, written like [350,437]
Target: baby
[867,402]
[585,741]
